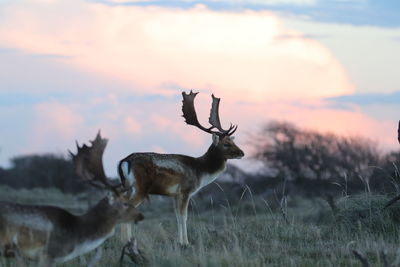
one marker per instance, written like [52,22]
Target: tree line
[42,171]
[306,161]
[318,162]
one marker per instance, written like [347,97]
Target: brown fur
[157,173]
[66,231]
[55,235]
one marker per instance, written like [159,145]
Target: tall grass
[253,232]
[266,239]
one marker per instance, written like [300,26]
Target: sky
[71,67]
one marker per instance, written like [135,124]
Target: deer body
[53,235]
[171,174]
[180,176]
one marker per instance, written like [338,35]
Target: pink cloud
[54,124]
[178,128]
[158,149]
[240,56]
[319,116]
[132,125]
[237,54]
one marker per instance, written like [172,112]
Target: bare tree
[303,155]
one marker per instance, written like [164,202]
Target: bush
[44,171]
[365,212]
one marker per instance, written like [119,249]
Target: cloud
[321,116]
[379,106]
[239,54]
[128,1]
[229,2]
[263,2]
[53,124]
[132,125]
[122,68]
[345,12]
[369,98]
[370,54]
[178,128]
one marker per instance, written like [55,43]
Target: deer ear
[215,139]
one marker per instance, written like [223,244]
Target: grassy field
[39,196]
[256,233]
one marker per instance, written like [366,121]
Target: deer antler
[398,133]
[189,113]
[214,118]
[88,164]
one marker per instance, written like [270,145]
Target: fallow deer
[396,198]
[181,176]
[53,235]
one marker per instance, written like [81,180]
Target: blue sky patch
[355,12]
[368,99]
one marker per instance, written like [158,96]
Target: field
[256,232]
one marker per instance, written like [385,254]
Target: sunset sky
[71,67]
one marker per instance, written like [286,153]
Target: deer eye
[227,145]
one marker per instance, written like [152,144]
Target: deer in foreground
[181,176]
[53,235]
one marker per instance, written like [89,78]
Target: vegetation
[42,171]
[255,233]
[50,196]
[316,163]
[307,162]
[318,202]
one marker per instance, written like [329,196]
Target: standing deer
[53,235]
[181,176]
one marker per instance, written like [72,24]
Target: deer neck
[88,231]
[213,161]
[99,220]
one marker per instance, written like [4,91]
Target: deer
[396,198]
[181,176]
[52,235]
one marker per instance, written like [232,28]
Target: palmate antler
[398,133]
[88,163]
[189,113]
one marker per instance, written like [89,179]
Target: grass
[365,213]
[49,196]
[254,233]
[313,236]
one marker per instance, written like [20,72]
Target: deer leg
[126,232]
[126,228]
[184,212]
[181,207]
[95,259]
[178,219]
[48,263]
[18,257]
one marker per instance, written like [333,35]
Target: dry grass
[254,234]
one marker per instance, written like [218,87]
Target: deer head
[222,139]
[88,165]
